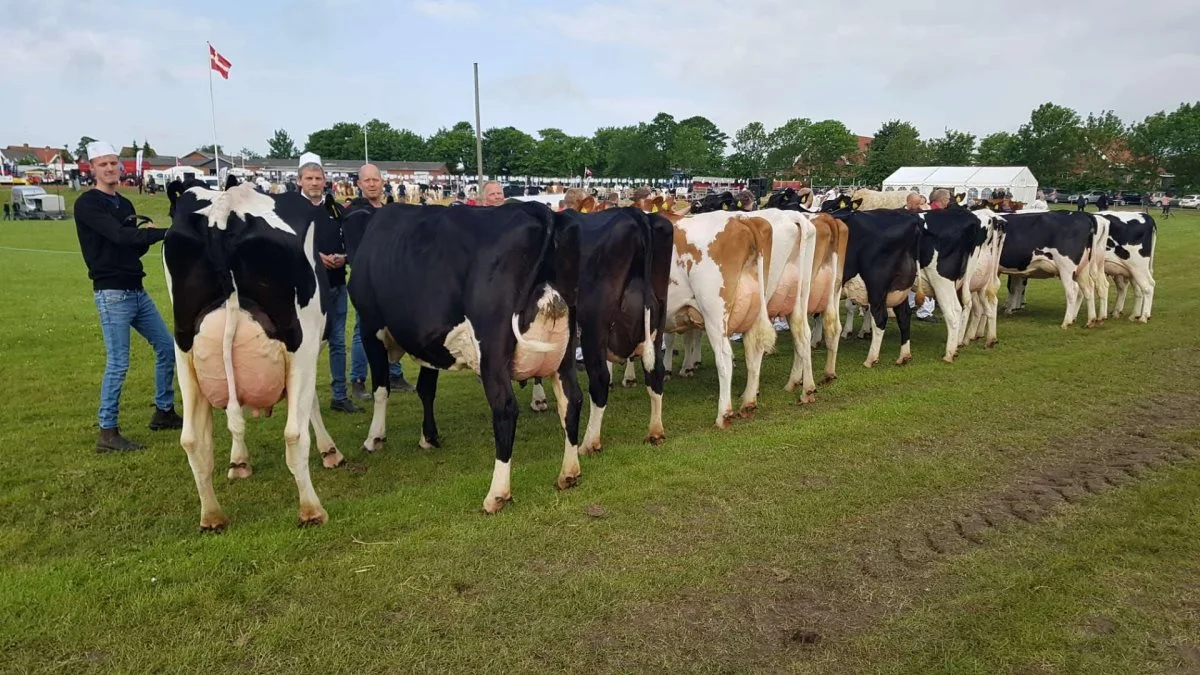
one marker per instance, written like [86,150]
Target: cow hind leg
[904,323]
[630,378]
[196,439]
[570,402]
[1122,285]
[878,321]
[538,403]
[598,387]
[239,456]
[427,381]
[301,397]
[498,388]
[377,361]
[331,457]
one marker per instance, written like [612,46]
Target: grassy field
[1030,509]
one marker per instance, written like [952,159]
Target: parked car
[1125,198]
[1190,202]
[1092,196]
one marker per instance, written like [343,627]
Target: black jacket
[111,242]
[329,237]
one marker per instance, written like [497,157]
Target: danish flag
[218,63]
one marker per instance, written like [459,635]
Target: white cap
[312,157]
[100,149]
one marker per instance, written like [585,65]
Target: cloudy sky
[121,69]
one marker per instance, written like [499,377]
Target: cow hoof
[332,458]
[791,386]
[725,421]
[214,523]
[628,384]
[1142,319]
[748,410]
[829,377]
[312,516]
[240,470]
[903,360]
[1116,315]
[493,504]
[1091,324]
[687,373]
[566,482]
[870,363]
[990,344]
[949,358]
[587,450]
[667,376]
[427,444]
[808,397]
[539,406]
[656,438]
[375,445]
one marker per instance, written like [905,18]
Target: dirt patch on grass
[770,616]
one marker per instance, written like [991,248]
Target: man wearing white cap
[113,245]
[331,245]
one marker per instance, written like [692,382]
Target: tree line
[1061,148]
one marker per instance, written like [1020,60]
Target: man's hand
[329,261]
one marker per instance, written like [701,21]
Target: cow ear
[587,205]
[856,203]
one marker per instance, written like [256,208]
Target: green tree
[507,151]
[148,151]
[81,149]
[1050,143]
[785,144]
[385,143]
[454,146]
[998,149]
[281,145]
[896,144]
[247,153]
[343,140]
[955,148]
[750,147]
[825,147]
[690,152]
[1170,142]
[713,137]
[560,154]
[1105,148]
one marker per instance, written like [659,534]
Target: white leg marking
[500,492]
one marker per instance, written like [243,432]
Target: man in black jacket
[112,246]
[354,224]
[331,246]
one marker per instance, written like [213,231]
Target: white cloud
[447,9]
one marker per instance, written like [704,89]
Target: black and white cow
[248,297]
[487,289]
[958,253]
[1129,257]
[881,268]
[1063,244]
[720,201]
[625,270]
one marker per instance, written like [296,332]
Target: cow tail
[649,301]
[1153,241]
[530,287]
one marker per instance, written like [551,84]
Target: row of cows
[508,292]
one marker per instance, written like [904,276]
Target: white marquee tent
[977,181]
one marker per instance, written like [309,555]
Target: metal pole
[212,103]
[478,135]
[366,156]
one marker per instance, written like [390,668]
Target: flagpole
[212,104]
[478,138]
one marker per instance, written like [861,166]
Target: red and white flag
[587,172]
[218,63]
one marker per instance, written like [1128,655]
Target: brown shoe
[111,440]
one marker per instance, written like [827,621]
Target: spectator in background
[913,202]
[940,199]
[493,193]
[1039,203]
[1080,202]
[1102,202]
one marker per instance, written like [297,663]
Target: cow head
[587,205]
[960,198]
[841,202]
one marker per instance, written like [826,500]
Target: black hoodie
[111,242]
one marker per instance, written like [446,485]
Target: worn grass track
[806,539]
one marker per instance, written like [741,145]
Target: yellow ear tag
[724,207]
[584,210]
[653,209]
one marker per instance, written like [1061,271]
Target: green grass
[712,550]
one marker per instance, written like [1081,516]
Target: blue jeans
[120,311]
[358,356]
[337,341]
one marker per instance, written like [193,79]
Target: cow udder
[259,363]
[783,300]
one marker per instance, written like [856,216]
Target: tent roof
[961,175]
